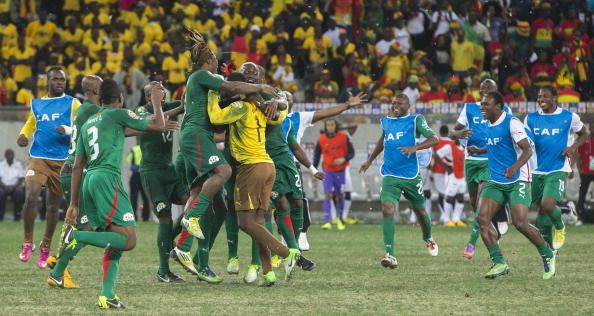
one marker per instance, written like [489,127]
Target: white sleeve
[516,129]
[576,123]
[305,119]
[526,123]
[462,119]
[434,17]
[445,152]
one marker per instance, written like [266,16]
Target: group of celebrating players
[238,151]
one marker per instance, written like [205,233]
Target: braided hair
[199,51]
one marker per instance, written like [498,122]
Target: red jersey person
[336,150]
[453,154]
[439,170]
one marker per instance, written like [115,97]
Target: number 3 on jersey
[72,149]
[93,137]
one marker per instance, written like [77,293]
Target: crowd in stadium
[434,51]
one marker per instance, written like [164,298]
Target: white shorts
[439,181]
[348,184]
[424,173]
[455,186]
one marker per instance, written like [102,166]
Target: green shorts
[510,194]
[476,171]
[106,200]
[180,170]
[551,185]
[392,188]
[200,154]
[65,182]
[287,182]
[163,188]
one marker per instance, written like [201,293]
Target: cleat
[389,261]
[208,276]
[233,266]
[334,220]
[303,243]
[105,303]
[67,241]
[290,262]
[305,264]
[184,259]
[252,274]
[351,221]
[497,269]
[268,279]
[192,225]
[43,255]
[275,261]
[27,250]
[460,224]
[502,227]
[432,247]
[558,238]
[469,251]
[68,281]
[62,282]
[451,224]
[549,267]
[340,225]
[169,277]
[327,226]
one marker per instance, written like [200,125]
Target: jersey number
[522,190]
[420,186]
[561,186]
[167,137]
[297,181]
[73,141]
[94,135]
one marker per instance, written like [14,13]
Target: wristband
[313,169]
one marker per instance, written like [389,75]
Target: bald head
[91,85]
[487,86]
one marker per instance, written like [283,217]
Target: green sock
[199,207]
[256,254]
[556,218]
[545,226]
[164,246]
[281,218]
[476,229]
[545,251]
[111,268]
[64,259]
[389,230]
[220,213]
[101,239]
[177,228]
[297,219]
[184,242]
[232,228]
[426,227]
[495,254]
[201,256]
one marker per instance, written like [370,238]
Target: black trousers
[135,190]
[585,180]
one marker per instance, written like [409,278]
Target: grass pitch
[348,279]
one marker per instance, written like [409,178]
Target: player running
[552,127]
[400,172]
[99,150]
[508,150]
[455,185]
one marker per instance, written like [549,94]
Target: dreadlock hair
[199,51]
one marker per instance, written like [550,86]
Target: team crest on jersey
[30,173]
[84,219]
[274,195]
[128,217]
[141,110]
[133,115]
[213,159]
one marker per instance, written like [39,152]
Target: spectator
[401,33]
[542,72]
[336,149]
[477,34]
[326,90]
[333,32]
[41,31]
[520,79]
[585,163]
[12,175]
[435,95]
[175,68]
[25,94]
[383,46]
[418,24]
[516,94]
[395,66]
[442,18]
[520,41]
[134,159]
[412,89]
[318,49]
[569,24]
[542,27]
[463,55]
[21,57]
[441,59]
[131,82]
[494,22]
[8,87]
[568,95]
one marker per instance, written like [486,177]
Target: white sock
[448,207]
[412,218]
[458,212]
[347,208]
[332,209]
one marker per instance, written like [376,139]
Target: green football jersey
[276,145]
[85,110]
[157,148]
[102,138]
[197,88]
[423,128]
